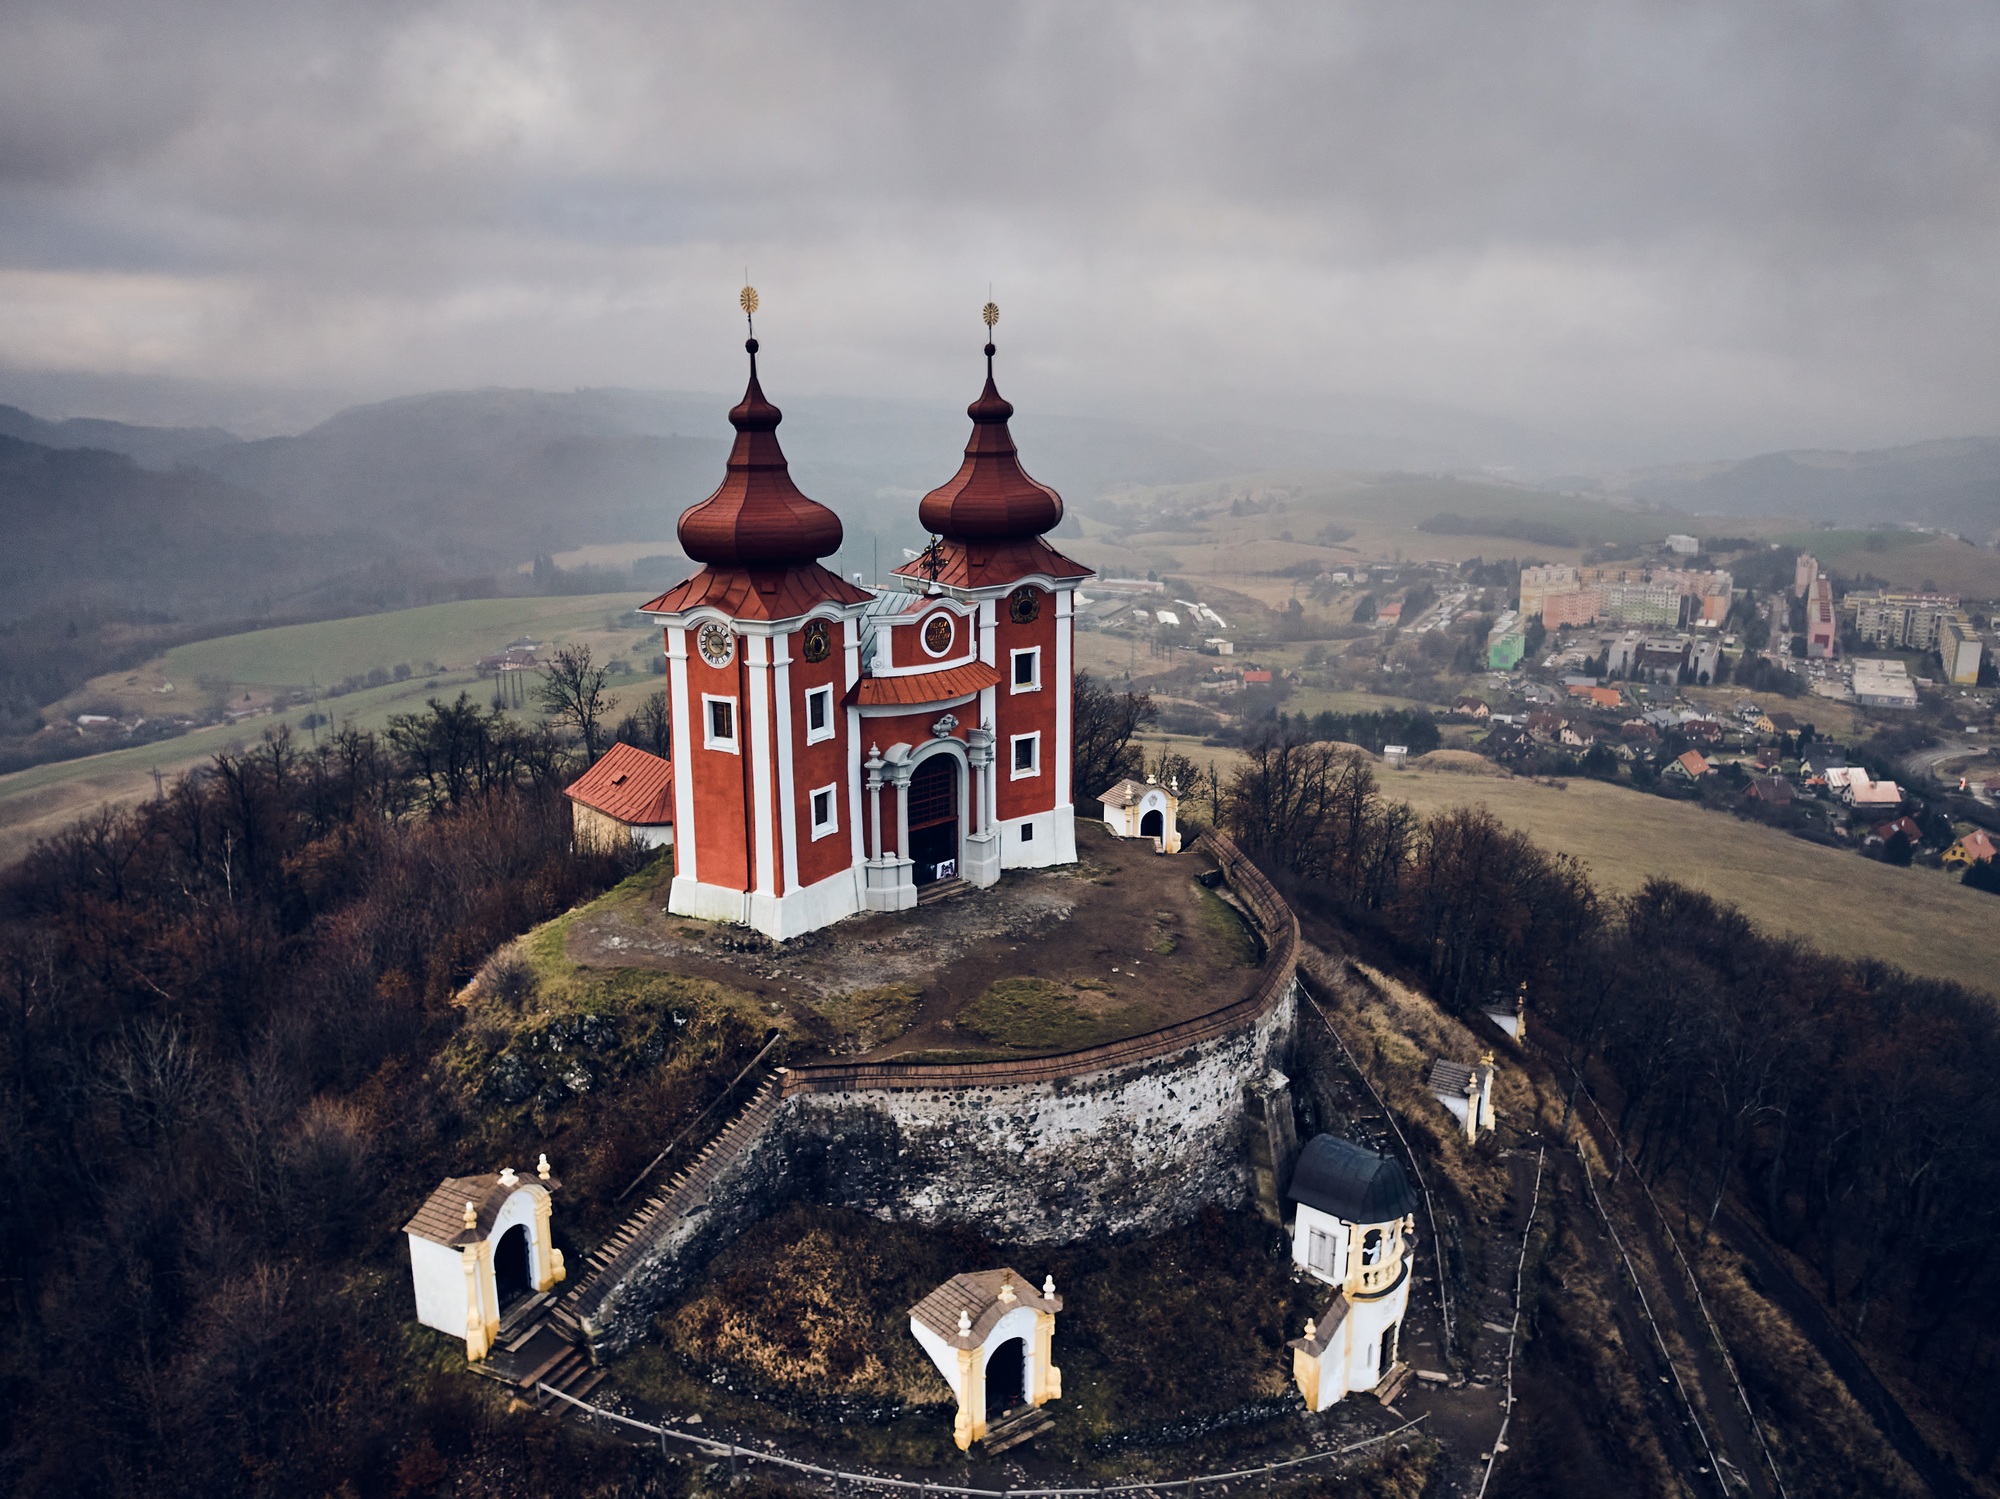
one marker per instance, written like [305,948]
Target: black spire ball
[750,344]
[990,351]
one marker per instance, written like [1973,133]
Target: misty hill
[91,529]
[1954,484]
[489,478]
[151,447]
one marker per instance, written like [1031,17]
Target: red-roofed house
[1904,825]
[627,797]
[1256,679]
[1690,765]
[1976,847]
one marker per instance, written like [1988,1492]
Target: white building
[478,1245]
[1148,810]
[1684,546]
[1467,1092]
[991,1337]
[1353,1232]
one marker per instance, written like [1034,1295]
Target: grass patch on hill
[604,1066]
[1228,929]
[865,1018]
[1041,1013]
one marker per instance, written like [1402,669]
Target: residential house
[1544,725]
[1575,738]
[1905,825]
[1472,708]
[1976,847]
[1772,791]
[1862,793]
[1690,766]
[1599,697]
[1256,679]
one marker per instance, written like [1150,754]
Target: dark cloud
[1670,227]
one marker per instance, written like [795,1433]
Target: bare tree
[1103,724]
[572,692]
[651,727]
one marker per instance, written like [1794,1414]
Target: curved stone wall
[1122,1138]
[1125,1138]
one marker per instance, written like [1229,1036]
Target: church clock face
[716,644]
[816,642]
[1024,605]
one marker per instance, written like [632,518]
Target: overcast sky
[1676,229]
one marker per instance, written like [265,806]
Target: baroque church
[836,749]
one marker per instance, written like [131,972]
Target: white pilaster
[677,686]
[757,652]
[787,798]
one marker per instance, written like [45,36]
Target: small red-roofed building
[626,797]
[1976,847]
[1690,766]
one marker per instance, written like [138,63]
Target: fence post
[732,1462]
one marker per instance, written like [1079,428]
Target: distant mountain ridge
[1951,483]
[150,447]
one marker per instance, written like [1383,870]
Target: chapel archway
[934,819]
[512,1278]
[1006,1378]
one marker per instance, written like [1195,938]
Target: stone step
[940,890]
[1021,1424]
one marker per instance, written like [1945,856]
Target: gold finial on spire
[990,314]
[748,300]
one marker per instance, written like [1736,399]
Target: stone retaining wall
[1123,1139]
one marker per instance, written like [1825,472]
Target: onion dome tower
[763,652]
[990,518]
[990,579]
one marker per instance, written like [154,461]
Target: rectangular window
[1027,832]
[1028,670]
[719,723]
[825,812]
[1027,755]
[819,714]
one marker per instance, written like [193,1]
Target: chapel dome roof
[1351,1182]
[991,497]
[758,517]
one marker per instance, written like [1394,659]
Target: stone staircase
[617,1255]
[1017,1426]
[541,1339]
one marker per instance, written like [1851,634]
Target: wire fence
[1514,1326]
[737,1454]
[1631,1272]
[1700,1301]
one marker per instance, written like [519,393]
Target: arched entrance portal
[1006,1378]
[934,819]
[511,1279]
[1153,824]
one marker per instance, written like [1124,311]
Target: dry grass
[1919,919]
[1811,1421]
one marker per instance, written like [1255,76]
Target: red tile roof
[1253,678]
[974,564]
[630,784]
[758,593]
[1693,764]
[919,687]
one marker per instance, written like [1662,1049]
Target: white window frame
[813,735]
[1034,682]
[709,739]
[831,791]
[1014,744]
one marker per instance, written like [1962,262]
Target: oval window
[938,633]
[817,641]
[1024,605]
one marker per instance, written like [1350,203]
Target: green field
[447,635]
[39,801]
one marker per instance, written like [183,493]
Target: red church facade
[838,748]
